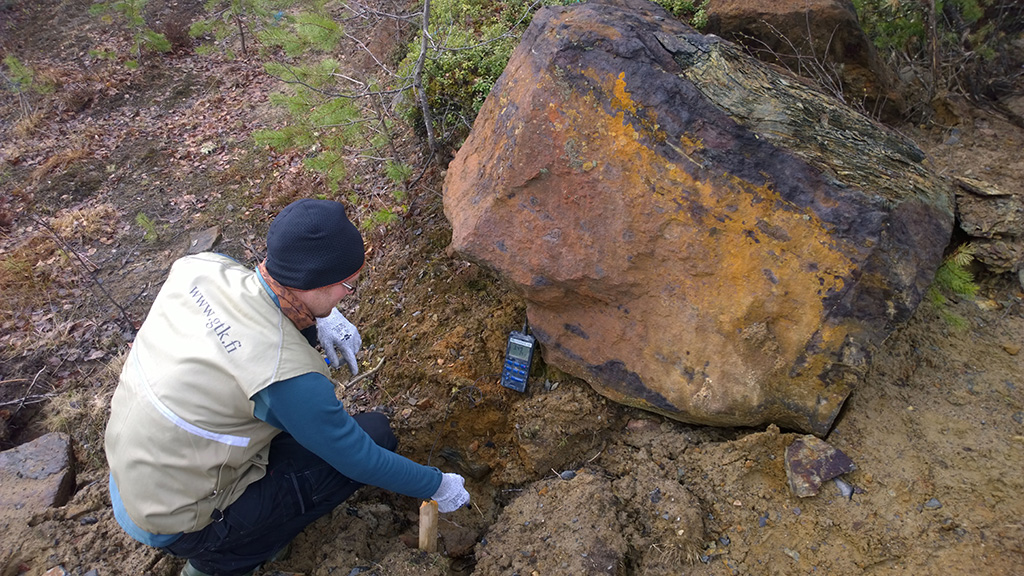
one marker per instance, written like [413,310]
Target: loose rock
[811,461]
[845,490]
[37,475]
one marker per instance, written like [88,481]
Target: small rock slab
[811,461]
[994,219]
[204,241]
[37,475]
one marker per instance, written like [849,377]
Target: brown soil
[563,481]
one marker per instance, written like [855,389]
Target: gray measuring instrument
[518,359]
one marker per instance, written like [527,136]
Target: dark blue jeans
[299,487]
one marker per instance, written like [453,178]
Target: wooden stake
[428,526]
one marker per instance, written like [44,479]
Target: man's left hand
[335,334]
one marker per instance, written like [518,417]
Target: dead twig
[67,247]
[28,400]
[366,374]
[30,387]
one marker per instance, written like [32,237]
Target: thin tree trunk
[933,41]
[417,81]
[241,31]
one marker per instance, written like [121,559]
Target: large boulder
[694,233]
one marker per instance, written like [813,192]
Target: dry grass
[28,125]
[32,269]
[19,278]
[86,225]
[60,161]
[82,412]
[50,79]
[58,91]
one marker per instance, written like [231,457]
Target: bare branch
[21,404]
[351,96]
[378,107]
[352,80]
[372,55]
[64,245]
[421,93]
[364,9]
[423,172]
[812,67]
[36,399]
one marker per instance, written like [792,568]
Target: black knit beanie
[312,244]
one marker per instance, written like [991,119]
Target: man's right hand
[451,494]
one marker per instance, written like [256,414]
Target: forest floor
[111,177]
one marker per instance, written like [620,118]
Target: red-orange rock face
[693,233]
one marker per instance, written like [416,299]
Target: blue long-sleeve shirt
[307,408]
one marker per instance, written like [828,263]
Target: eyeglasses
[351,283]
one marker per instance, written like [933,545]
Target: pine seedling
[150,233]
[398,172]
[132,13]
[230,19]
[953,278]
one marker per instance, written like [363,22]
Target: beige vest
[182,439]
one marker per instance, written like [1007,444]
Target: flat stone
[458,540]
[811,461]
[37,475]
[204,241]
[994,219]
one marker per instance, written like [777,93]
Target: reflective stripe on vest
[178,420]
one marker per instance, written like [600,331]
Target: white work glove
[336,333]
[451,495]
